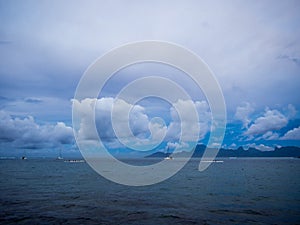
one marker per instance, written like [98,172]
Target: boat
[60,156]
[213,161]
[74,161]
[24,155]
[168,157]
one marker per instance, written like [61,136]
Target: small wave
[246,211]
[170,216]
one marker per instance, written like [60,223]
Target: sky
[252,47]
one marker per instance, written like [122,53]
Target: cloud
[243,112]
[138,120]
[182,146]
[295,60]
[33,100]
[292,112]
[240,42]
[187,122]
[260,147]
[40,107]
[293,134]
[270,121]
[252,72]
[232,146]
[264,127]
[270,136]
[26,132]
[138,127]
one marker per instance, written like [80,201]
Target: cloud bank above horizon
[264,131]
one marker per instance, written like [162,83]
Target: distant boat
[60,156]
[168,157]
[213,161]
[24,155]
[75,161]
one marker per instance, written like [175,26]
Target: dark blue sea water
[237,191]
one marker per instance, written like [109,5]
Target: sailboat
[168,157]
[60,156]
[24,155]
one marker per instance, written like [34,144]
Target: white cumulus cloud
[270,136]
[179,147]
[187,121]
[137,126]
[27,132]
[260,147]
[270,121]
[293,134]
[243,112]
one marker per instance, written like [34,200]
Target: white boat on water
[168,157]
[75,161]
[213,161]
[59,155]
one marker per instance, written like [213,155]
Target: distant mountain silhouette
[289,151]
[157,155]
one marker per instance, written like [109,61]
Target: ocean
[237,191]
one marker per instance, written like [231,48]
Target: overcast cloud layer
[253,48]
